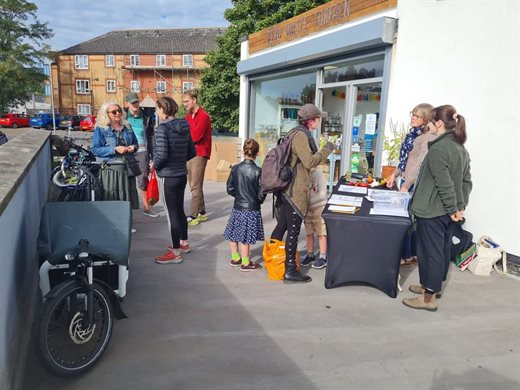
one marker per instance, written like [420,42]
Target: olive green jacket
[302,160]
[444,182]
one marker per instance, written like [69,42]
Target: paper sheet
[346,200]
[371,191]
[342,209]
[352,189]
[393,213]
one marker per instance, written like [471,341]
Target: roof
[183,40]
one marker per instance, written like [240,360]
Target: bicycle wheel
[65,346]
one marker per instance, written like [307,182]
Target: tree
[220,84]
[22,51]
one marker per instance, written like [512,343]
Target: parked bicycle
[84,249]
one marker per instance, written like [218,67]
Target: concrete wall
[467,54]
[24,180]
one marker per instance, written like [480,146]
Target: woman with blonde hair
[114,141]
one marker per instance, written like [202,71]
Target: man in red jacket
[200,128]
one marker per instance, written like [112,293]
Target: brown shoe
[420,304]
[418,289]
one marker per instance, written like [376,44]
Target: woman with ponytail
[440,198]
[245,225]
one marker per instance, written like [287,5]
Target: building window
[111,85]
[81,62]
[110,61]
[82,87]
[160,60]
[84,109]
[134,59]
[47,90]
[187,60]
[161,86]
[187,85]
[134,86]
[45,69]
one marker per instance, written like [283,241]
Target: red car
[88,123]
[14,120]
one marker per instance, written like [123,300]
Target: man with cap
[295,199]
[142,125]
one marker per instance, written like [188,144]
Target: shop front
[343,69]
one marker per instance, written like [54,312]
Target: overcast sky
[75,21]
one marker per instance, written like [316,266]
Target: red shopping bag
[152,192]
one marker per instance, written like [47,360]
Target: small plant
[392,144]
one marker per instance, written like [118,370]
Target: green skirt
[118,186]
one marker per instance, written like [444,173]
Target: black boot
[292,275]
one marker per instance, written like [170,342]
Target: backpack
[465,240]
[276,172]
[3,138]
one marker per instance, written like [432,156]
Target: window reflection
[363,68]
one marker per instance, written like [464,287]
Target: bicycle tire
[63,346]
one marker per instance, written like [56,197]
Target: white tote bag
[488,253]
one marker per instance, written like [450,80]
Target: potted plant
[392,146]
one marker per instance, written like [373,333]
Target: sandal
[406,262]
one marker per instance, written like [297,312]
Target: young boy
[314,223]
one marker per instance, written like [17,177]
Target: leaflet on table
[346,200]
[391,212]
[355,190]
[371,191]
[342,209]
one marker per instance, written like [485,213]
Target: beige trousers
[196,168]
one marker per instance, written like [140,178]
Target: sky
[76,21]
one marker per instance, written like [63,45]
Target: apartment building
[153,63]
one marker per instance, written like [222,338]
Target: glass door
[362,127]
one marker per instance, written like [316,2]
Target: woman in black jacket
[245,224]
[173,148]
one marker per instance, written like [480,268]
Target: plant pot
[387,170]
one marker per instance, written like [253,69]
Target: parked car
[88,123]
[14,120]
[70,122]
[44,120]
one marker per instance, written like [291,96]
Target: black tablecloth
[364,248]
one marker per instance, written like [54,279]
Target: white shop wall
[467,54]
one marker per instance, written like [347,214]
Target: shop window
[276,102]
[161,86]
[81,62]
[160,60]
[358,69]
[84,109]
[135,86]
[111,85]
[82,87]
[110,61]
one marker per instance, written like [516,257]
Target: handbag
[152,191]
[132,167]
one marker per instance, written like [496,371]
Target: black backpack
[465,240]
[276,172]
[3,138]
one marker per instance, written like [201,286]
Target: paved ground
[204,325]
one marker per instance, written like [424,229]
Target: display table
[364,248]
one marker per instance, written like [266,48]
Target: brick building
[154,63]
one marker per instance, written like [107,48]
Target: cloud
[76,21]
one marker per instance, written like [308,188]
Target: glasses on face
[415,116]
[115,112]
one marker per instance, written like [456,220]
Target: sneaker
[320,263]
[183,248]
[150,213]
[307,260]
[252,266]
[202,217]
[235,263]
[169,257]
[418,289]
[193,221]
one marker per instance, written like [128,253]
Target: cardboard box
[223,170]
[221,150]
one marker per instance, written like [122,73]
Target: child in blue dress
[245,225]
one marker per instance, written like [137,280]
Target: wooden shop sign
[317,19]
